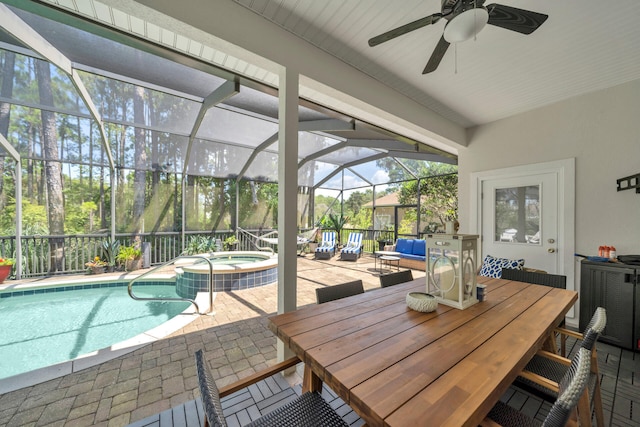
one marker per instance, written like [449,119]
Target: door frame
[565,172]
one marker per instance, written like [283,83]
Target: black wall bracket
[629,182]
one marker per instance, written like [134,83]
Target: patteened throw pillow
[492,266]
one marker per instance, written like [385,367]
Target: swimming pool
[49,325]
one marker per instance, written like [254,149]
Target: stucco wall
[601,131]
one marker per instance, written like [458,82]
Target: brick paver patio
[161,375]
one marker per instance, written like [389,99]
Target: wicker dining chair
[391,279]
[540,278]
[308,410]
[562,413]
[551,366]
[535,277]
[343,290]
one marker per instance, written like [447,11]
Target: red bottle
[601,250]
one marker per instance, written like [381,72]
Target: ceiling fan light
[466,25]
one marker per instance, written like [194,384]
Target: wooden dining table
[399,367]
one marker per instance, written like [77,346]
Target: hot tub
[232,271]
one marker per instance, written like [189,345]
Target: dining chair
[343,290]
[553,367]
[391,279]
[309,409]
[327,246]
[571,390]
[539,278]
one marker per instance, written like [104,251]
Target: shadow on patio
[159,376]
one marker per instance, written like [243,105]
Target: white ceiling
[584,46]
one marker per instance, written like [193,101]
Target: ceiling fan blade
[436,56]
[391,34]
[514,19]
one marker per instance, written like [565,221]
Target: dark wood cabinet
[613,286]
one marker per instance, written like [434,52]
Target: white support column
[287,195]
[18,194]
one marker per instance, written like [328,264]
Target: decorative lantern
[451,268]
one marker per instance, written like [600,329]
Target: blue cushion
[420,247]
[404,246]
[492,266]
[413,257]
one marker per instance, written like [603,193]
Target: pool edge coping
[97,357]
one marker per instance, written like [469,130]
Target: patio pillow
[404,246]
[419,247]
[492,266]
[352,245]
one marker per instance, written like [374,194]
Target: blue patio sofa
[412,253]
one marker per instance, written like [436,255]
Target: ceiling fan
[466,19]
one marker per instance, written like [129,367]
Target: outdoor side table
[389,259]
[379,254]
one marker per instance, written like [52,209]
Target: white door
[555,181]
[520,220]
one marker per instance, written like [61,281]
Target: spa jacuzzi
[231,271]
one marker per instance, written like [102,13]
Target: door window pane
[517,214]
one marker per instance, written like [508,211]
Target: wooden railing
[53,255]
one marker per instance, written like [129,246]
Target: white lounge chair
[327,247]
[353,249]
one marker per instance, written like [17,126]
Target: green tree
[53,173]
[79,219]
[362,219]
[356,200]
[336,223]
[140,164]
[438,191]
[7,63]
[35,219]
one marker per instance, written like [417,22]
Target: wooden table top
[398,367]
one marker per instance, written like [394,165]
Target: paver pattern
[161,375]
[237,343]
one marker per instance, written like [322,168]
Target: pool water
[235,259]
[42,329]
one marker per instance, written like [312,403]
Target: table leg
[310,381]
[549,344]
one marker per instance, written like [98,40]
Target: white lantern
[451,269]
